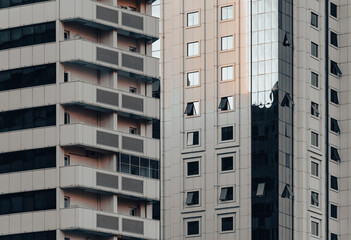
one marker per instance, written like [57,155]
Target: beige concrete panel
[26,181]
[15,140]
[39,179]
[50,178]
[26,14]
[38,95]
[4,60]
[38,13]
[4,100]
[15,99]
[26,139]
[38,54]
[38,221]
[14,17]
[26,97]
[50,220]
[4,19]
[50,94]
[15,58]
[26,222]
[50,136]
[5,183]
[26,56]
[15,226]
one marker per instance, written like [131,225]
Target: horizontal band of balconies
[101,139]
[104,16]
[104,181]
[107,99]
[104,223]
[97,56]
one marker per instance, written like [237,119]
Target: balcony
[104,16]
[104,140]
[103,181]
[109,224]
[107,99]
[97,56]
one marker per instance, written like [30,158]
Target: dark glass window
[315,228]
[193,227]
[227,163]
[314,49]
[156,89]
[227,224]
[156,129]
[27,35]
[27,160]
[193,168]
[193,138]
[333,236]
[314,109]
[314,79]
[156,210]
[314,169]
[192,198]
[314,19]
[333,10]
[227,133]
[334,125]
[27,201]
[334,96]
[334,39]
[138,166]
[226,194]
[192,109]
[315,199]
[49,235]
[27,77]
[334,183]
[334,154]
[334,68]
[333,211]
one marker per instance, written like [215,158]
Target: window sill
[194,56]
[194,26]
[314,87]
[314,27]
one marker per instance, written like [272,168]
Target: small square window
[193,138]
[132,211]
[314,49]
[193,168]
[192,109]
[314,199]
[193,228]
[314,19]
[193,19]
[193,79]
[192,198]
[314,109]
[227,133]
[334,154]
[315,228]
[227,12]
[334,183]
[314,139]
[226,104]
[334,39]
[334,126]
[333,211]
[333,236]
[227,224]
[227,43]
[227,73]
[314,79]
[334,96]
[314,169]
[333,10]
[67,202]
[193,49]
[226,194]
[227,163]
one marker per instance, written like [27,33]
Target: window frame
[221,157]
[192,45]
[317,228]
[314,49]
[229,40]
[193,73]
[193,220]
[226,190]
[314,16]
[227,8]
[316,75]
[194,192]
[198,136]
[314,193]
[227,216]
[334,41]
[198,167]
[317,139]
[190,14]
[332,7]
[224,72]
[332,208]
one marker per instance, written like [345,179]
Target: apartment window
[314,169]
[156,89]
[314,139]
[156,129]
[315,228]
[192,109]
[132,211]
[227,133]
[314,49]
[132,130]
[193,79]
[193,49]
[314,19]
[287,192]
[314,79]
[27,35]
[227,43]
[67,118]
[132,49]
[227,224]
[193,19]
[333,10]
[193,138]
[66,35]
[193,228]
[315,199]
[333,211]
[287,101]
[314,109]
[193,168]
[334,125]
[226,104]
[334,183]
[13,3]
[138,166]
[333,236]
[227,12]
[334,68]
[334,39]
[65,77]
[67,160]
[192,198]
[48,235]
[334,154]
[260,189]
[334,96]
[227,163]
[132,89]
[227,73]
[67,202]
[226,194]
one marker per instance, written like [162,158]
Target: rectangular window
[334,182]
[67,118]
[226,104]
[193,138]
[227,73]
[193,109]
[334,39]
[260,189]
[334,125]
[133,165]
[227,163]
[333,236]
[314,169]
[67,202]
[227,43]
[334,68]
[334,96]
[314,19]
[67,160]
[314,139]
[226,194]
[193,19]
[314,199]
[314,109]
[315,228]
[227,12]
[192,198]
[193,168]
[314,49]
[227,133]
[227,224]
[193,49]
[193,228]
[132,211]
[334,154]
[193,79]
[66,35]
[132,89]
[333,10]
[314,79]
[333,211]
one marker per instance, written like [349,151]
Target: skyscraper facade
[255,116]
[79,120]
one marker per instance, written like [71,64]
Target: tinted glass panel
[227,163]
[227,224]
[334,39]
[314,19]
[193,228]
[227,133]
[138,166]
[13,3]
[333,10]
[193,168]
[50,235]
[333,211]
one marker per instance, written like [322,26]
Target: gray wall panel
[107,97]
[107,139]
[136,63]
[133,185]
[133,21]
[105,55]
[133,103]
[107,222]
[107,14]
[132,226]
[132,144]
[107,180]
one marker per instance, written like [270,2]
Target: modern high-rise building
[255,119]
[79,120]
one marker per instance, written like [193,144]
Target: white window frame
[193,49]
[227,43]
[227,73]
[193,19]
[227,12]
[193,79]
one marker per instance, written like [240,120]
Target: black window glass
[334,96]
[333,211]
[334,125]
[227,224]
[156,129]
[334,39]
[334,154]
[226,194]
[227,133]
[333,236]
[193,227]
[192,198]
[333,10]
[227,163]
[193,168]
[314,19]
[334,183]
[314,79]
[314,49]
[334,68]
[134,165]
